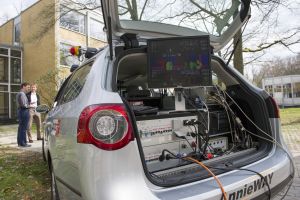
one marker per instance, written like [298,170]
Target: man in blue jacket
[23,114]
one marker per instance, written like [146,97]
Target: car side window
[75,84]
[60,91]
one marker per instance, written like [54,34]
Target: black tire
[43,149]
[54,191]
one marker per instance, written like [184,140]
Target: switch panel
[160,131]
[159,134]
[219,142]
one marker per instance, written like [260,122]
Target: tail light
[274,109]
[105,126]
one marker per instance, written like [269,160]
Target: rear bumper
[123,177]
[275,190]
[276,168]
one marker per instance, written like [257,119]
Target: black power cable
[173,156]
[207,122]
[249,170]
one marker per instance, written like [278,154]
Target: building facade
[37,42]
[284,89]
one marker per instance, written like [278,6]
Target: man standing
[34,101]
[23,114]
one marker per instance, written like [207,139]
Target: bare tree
[277,67]
[48,85]
[208,16]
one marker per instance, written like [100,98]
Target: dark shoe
[40,138]
[26,145]
[30,141]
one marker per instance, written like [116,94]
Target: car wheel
[43,149]
[54,192]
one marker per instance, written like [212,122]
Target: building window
[3,51]
[66,58]
[72,20]
[13,103]
[287,90]
[10,79]
[17,33]
[296,89]
[269,89]
[96,29]
[3,69]
[17,30]
[15,70]
[15,53]
[4,104]
[277,88]
[3,88]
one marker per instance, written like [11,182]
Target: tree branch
[283,41]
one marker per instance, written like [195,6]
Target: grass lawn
[290,116]
[24,175]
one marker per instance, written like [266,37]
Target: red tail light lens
[275,107]
[105,126]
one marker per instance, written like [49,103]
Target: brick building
[31,46]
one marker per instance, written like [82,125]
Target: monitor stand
[179,100]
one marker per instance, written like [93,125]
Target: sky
[11,8]
[287,17]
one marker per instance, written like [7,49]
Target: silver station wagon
[158,114]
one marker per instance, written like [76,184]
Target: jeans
[23,117]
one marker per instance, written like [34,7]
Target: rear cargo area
[213,124]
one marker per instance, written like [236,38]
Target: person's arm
[28,95]
[38,99]
[23,101]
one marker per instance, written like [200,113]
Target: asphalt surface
[9,138]
[291,134]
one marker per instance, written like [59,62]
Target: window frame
[70,11]
[101,32]
[17,24]
[64,44]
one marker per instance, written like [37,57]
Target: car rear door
[220,19]
[63,138]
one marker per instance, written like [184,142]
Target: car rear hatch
[160,19]
[151,19]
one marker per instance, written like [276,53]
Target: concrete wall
[6,32]
[71,37]
[96,43]
[39,45]
[74,38]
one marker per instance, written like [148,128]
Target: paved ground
[291,135]
[8,137]
[292,138]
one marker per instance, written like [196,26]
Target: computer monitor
[179,62]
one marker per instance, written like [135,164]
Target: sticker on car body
[249,189]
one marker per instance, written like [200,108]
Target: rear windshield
[210,16]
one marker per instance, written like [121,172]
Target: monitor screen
[179,62]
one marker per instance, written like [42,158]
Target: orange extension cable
[215,177]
